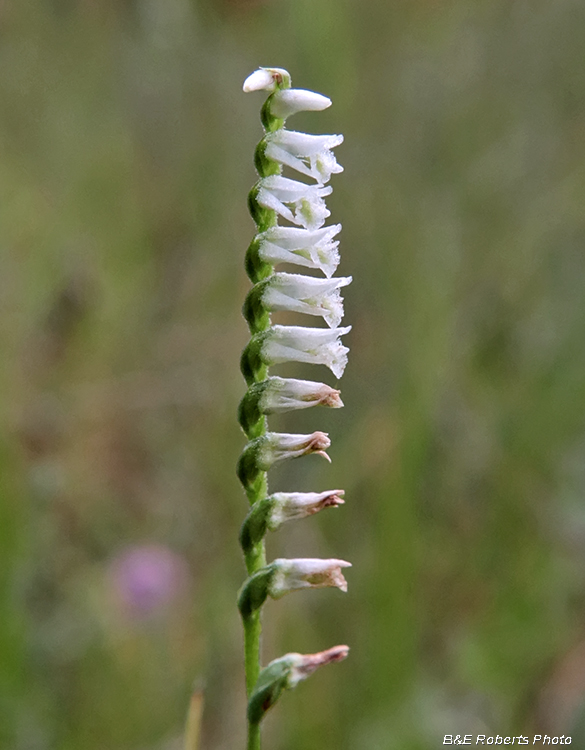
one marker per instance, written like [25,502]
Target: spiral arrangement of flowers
[310,245]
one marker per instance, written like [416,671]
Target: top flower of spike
[285,101]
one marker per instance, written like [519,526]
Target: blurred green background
[126,150]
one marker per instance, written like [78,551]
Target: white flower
[301,247]
[307,201]
[287,102]
[319,346]
[304,573]
[291,506]
[266,79]
[280,446]
[284,394]
[309,154]
[306,294]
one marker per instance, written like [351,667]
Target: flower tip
[305,664]
[257,81]
[310,662]
[319,442]
[337,576]
[333,500]
[333,399]
[337,653]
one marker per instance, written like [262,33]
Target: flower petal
[289,101]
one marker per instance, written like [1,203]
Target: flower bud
[287,102]
[267,79]
[284,674]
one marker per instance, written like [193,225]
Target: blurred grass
[126,149]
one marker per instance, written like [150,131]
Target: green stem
[253,736]
[252,633]
[256,557]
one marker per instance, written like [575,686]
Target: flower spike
[306,243]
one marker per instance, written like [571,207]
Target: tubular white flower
[286,394]
[304,573]
[309,154]
[301,247]
[306,294]
[319,346]
[280,446]
[292,506]
[285,673]
[307,201]
[266,79]
[288,102]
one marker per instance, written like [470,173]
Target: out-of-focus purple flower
[147,579]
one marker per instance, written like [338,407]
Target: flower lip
[291,190]
[293,238]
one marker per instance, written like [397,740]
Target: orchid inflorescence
[308,245]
